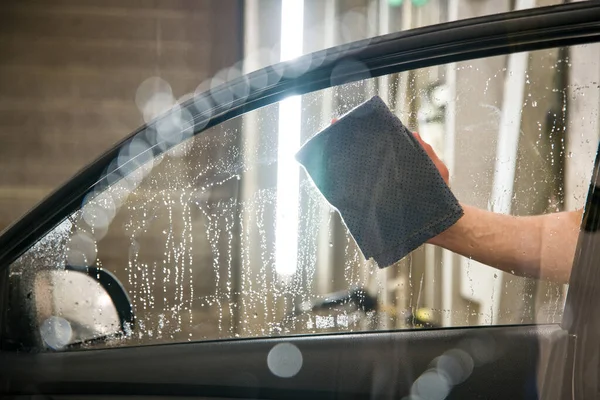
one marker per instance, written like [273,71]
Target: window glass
[195,237]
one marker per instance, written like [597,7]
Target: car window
[224,236]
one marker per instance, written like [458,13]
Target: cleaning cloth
[387,190]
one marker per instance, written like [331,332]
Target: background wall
[69,71]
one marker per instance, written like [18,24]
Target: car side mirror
[68,308]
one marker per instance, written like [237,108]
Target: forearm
[539,246]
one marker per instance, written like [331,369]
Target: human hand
[448,235]
[439,164]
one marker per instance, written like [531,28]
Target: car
[167,268]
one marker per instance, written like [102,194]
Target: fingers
[434,157]
[418,137]
[423,144]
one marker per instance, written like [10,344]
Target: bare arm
[541,246]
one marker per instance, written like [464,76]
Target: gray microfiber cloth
[387,190]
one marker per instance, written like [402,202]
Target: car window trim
[329,369]
[499,34]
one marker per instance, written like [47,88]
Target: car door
[158,271]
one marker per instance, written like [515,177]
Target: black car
[195,260]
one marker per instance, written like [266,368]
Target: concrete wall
[69,71]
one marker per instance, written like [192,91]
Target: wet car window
[224,236]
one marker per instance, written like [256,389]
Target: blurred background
[69,72]
[78,76]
